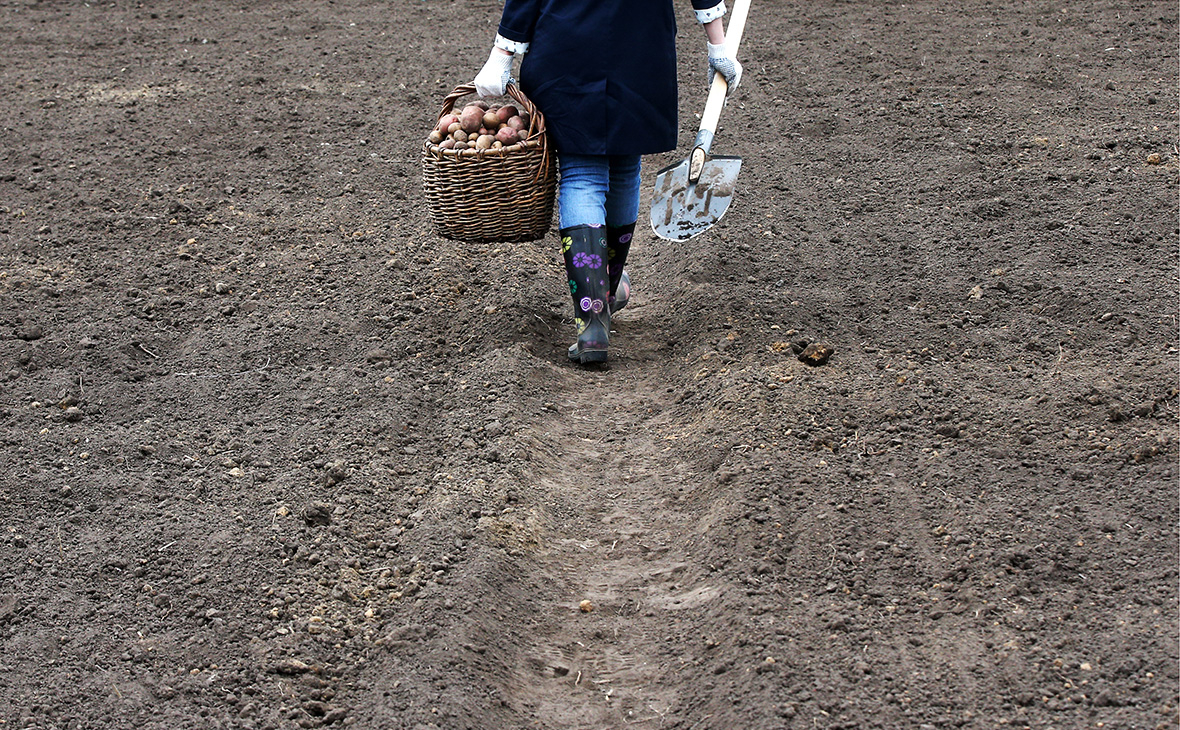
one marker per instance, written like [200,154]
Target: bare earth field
[275,455]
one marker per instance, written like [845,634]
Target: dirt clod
[290,667]
[317,513]
[30,332]
[817,353]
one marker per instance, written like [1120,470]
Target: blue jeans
[594,190]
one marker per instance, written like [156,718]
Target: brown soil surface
[275,455]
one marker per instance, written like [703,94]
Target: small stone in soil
[817,353]
[586,606]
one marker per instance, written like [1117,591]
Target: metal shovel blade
[681,209]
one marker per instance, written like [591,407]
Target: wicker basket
[501,194]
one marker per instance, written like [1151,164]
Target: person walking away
[603,72]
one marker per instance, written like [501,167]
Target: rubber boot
[585,252]
[618,243]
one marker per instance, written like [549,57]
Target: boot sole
[586,357]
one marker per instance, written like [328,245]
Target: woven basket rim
[529,144]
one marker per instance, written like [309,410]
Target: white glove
[495,74]
[720,61]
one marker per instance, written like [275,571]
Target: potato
[479,127]
[505,113]
[471,119]
[507,135]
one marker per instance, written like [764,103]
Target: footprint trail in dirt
[615,556]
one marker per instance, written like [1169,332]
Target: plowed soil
[276,455]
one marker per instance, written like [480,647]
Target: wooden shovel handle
[733,37]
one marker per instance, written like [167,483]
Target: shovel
[692,195]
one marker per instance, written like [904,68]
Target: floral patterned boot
[618,244]
[585,252]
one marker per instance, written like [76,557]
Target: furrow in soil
[614,563]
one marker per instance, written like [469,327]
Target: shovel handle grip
[733,38]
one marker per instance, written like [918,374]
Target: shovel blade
[681,209]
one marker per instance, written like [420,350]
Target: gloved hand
[495,74]
[721,61]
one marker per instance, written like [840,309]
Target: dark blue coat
[603,72]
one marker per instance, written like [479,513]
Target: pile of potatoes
[480,127]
